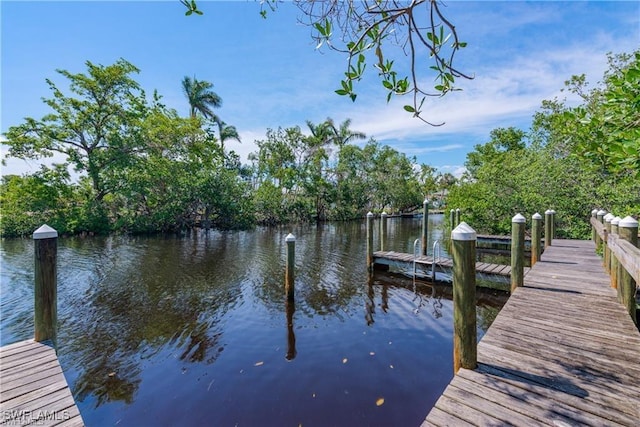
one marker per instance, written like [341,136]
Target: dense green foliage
[571,160]
[143,168]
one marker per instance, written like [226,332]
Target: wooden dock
[425,263]
[563,351]
[33,388]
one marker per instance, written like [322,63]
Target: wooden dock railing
[619,239]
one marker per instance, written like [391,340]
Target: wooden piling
[599,216]
[452,219]
[614,261]
[457,217]
[628,230]
[425,227]
[383,230]
[289,277]
[46,284]
[290,308]
[594,233]
[517,251]
[548,228]
[536,239]
[463,251]
[553,223]
[370,242]
[607,252]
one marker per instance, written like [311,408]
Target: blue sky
[269,73]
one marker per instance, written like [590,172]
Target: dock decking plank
[561,351]
[33,385]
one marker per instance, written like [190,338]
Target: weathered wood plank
[561,351]
[34,390]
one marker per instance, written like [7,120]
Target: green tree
[502,140]
[226,133]
[606,127]
[95,127]
[202,100]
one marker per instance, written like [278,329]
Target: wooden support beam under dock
[33,388]
[562,351]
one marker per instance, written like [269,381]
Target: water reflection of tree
[162,294]
[327,275]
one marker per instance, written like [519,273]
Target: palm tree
[201,98]
[343,135]
[226,132]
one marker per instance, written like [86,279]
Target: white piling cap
[594,212]
[290,238]
[602,212]
[463,232]
[458,210]
[383,213]
[608,217]
[369,214]
[628,222]
[45,232]
[616,220]
[426,201]
[453,210]
[553,211]
[536,216]
[519,219]
[548,212]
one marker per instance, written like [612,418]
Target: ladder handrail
[436,244]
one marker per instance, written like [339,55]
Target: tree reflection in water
[149,321]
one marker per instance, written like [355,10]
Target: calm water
[195,330]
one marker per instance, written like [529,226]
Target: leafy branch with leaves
[371,31]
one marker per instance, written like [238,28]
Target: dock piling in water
[463,251]
[370,242]
[46,284]
[517,251]
[383,230]
[289,277]
[425,226]
[452,219]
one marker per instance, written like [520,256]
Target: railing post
[607,252]
[370,242]
[517,251]
[600,217]
[289,276]
[536,232]
[548,228]
[594,233]
[614,261]
[46,284]
[463,251]
[383,230]
[628,230]
[457,216]
[452,219]
[553,223]
[425,226]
